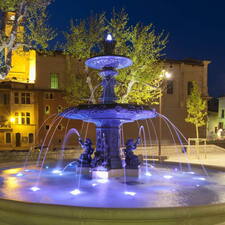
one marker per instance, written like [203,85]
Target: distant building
[33,93]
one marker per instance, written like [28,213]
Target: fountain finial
[109,45]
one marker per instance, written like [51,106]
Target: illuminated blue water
[159,187]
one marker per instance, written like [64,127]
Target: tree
[28,29]
[138,83]
[196,108]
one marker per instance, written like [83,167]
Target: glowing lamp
[109,37]
[12,119]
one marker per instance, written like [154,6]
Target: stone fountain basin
[26,213]
[122,112]
[23,213]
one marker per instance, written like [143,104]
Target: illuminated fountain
[118,193]
[108,116]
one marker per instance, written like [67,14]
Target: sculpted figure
[131,160]
[85,158]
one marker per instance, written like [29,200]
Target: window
[220,125]
[16,98]
[5,99]
[59,109]
[31,138]
[27,118]
[189,87]
[169,88]
[8,138]
[60,127]
[23,118]
[49,95]
[25,98]
[54,81]
[222,113]
[16,118]
[47,127]
[47,109]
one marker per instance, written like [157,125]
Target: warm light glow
[12,119]
[165,74]
[109,37]
[32,67]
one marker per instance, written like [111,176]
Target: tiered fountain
[108,116]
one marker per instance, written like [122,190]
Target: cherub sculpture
[131,160]
[85,158]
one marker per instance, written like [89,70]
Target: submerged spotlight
[75,192]
[34,188]
[148,174]
[168,177]
[109,37]
[19,174]
[130,193]
[56,171]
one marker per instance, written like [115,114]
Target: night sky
[196,28]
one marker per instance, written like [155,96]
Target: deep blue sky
[196,27]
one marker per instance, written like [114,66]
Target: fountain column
[108,142]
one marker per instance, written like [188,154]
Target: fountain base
[105,174]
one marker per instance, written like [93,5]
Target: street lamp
[165,75]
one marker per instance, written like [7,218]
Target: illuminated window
[189,87]
[16,98]
[27,118]
[23,118]
[47,109]
[8,138]
[31,138]
[16,118]
[25,98]
[54,81]
[169,88]
[222,113]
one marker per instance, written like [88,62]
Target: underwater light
[27,170]
[19,174]
[191,172]
[34,188]
[56,171]
[75,192]
[102,181]
[199,178]
[94,184]
[148,174]
[46,167]
[168,177]
[130,193]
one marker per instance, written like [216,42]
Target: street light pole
[160,125]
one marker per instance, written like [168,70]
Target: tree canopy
[141,43]
[30,17]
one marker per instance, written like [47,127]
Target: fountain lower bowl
[18,212]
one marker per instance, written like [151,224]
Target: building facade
[32,96]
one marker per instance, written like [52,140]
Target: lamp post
[166,76]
